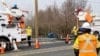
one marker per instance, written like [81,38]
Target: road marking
[38,51]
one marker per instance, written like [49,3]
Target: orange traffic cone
[2,50]
[67,40]
[37,44]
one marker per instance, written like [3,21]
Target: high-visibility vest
[98,41]
[10,17]
[76,46]
[98,44]
[29,31]
[22,25]
[74,30]
[86,44]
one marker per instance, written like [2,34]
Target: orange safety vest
[22,25]
[10,17]
[87,45]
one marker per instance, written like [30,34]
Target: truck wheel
[5,44]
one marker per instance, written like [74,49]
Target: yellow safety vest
[98,41]
[98,44]
[86,44]
[74,30]
[29,31]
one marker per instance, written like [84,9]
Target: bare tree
[67,11]
[59,20]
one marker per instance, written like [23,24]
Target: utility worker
[15,7]
[76,49]
[10,18]
[96,33]
[75,32]
[29,34]
[86,43]
[99,44]
[22,23]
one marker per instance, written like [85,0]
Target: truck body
[10,32]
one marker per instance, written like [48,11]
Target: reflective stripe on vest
[87,50]
[87,41]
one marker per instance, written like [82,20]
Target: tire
[7,44]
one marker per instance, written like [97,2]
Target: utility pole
[36,19]
[77,20]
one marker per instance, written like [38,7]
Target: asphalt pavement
[52,45]
[47,48]
[60,50]
[68,52]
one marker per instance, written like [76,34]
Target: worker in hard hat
[96,33]
[29,34]
[16,12]
[15,7]
[86,43]
[75,32]
[98,50]
[21,22]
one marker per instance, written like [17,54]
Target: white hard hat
[85,28]
[86,25]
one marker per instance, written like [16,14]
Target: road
[57,51]
[52,49]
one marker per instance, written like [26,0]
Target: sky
[29,4]
[95,6]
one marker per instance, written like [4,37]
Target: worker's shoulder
[80,35]
[92,35]
[86,35]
